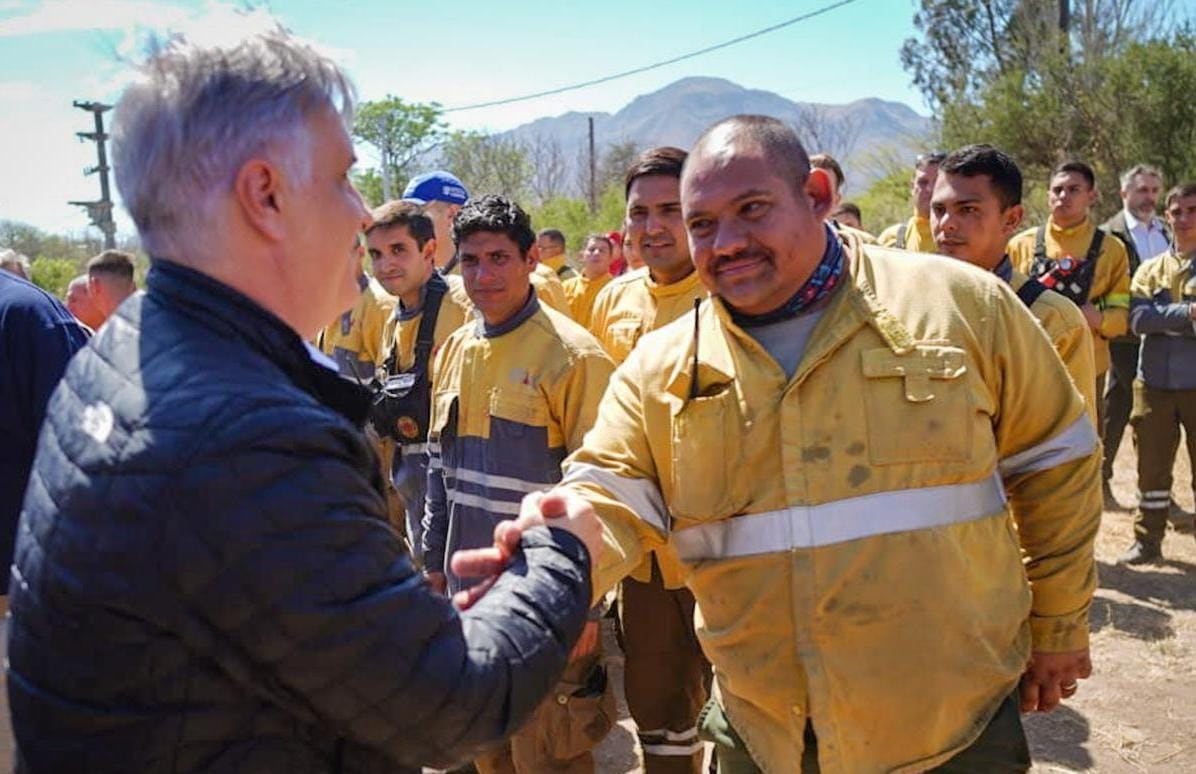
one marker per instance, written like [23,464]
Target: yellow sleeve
[1073,341]
[1050,462]
[888,237]
[1021,252]
[614,470]
[577,395]
[1114,298]
[552,294]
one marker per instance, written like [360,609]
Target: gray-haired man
[204,577]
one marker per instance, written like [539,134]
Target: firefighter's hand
[1092,315]
[587,642]
[1052,677]
[563,510]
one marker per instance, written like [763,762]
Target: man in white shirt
[1145,235]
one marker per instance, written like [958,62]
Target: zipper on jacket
[693,379]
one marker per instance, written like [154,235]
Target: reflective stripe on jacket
[854,536]
[506,408]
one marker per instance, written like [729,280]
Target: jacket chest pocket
[918,405]
[706,450]
[517,413]
[620,338]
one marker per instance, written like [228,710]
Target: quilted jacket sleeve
[299,589]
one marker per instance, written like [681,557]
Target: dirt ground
[1136,714]
[1138,711]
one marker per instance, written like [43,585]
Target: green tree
[1095,85]
[489,164]
[575,219]
[53,274]
[369,184]
[401,132]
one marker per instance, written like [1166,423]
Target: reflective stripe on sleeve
[639,494]
[1078,440]
[483,503]
[812,526]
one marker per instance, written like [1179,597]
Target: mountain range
[859,133]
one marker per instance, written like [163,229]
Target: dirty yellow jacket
[1067,329]
[508,403]
[550,289]
[875,543]
[1110,291]
[629,307]
[918,238]
[581,293]
[354,340]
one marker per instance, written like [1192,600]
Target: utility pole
[100,211]
[1064,17]
[593,170]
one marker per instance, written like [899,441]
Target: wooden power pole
[593,170]
[100,211]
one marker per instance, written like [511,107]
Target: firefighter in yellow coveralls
[886,514]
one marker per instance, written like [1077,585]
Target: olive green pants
[1156,419]
[1000,749]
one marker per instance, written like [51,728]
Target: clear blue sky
[54,51]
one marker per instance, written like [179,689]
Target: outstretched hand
[558,508]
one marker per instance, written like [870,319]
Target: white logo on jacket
[97,421]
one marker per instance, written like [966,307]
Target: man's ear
[534,252]
[821,191]
[1011,219]
[258,192]
[429,250]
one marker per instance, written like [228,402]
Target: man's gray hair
[1127,177]
[14,262]
[197,114]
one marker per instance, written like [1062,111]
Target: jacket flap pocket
[929,360]
[442,410]
[526,408]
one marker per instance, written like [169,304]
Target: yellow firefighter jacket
[508,403]
[560,265]
[1069,332]
[354,339]
[631,306]
[634,304]
[550,289]
[1110,291]
[581,293]
[875,543]
[918,238]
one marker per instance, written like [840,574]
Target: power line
[656,65]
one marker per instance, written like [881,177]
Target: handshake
[556,508]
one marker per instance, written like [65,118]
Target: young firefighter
[595,275]
[666,676]
[1073,257]
[402,247]
[976,207]
[1162,312]
[513,394]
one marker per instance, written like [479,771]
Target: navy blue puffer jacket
[205,580]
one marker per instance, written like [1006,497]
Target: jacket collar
[530,307]
[235,316]
[850,307]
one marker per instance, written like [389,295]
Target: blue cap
[438,186]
